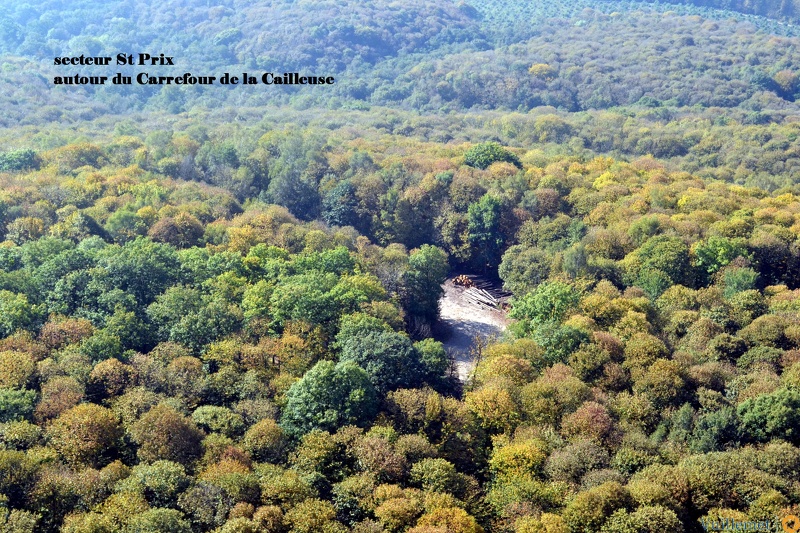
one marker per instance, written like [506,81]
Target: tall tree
[485,237]
[427,271]
[329,396]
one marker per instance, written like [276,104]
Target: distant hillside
[785,10]
[292,35]
[420,55]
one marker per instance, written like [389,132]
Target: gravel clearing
[461,322]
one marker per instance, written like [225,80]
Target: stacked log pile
[480,297]
[482,292]
[463,281]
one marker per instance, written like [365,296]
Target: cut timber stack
[480,297]
[462,281]
[481,291]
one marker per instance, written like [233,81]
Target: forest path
[461,323]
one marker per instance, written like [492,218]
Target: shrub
[484,154]
[86,434]
[109,378]
[436,475]
[163,433]
[160,482]
[205,505]
[314,516]
[219,419]
[590,509]
[517,459]
[16,369]
[16,404]
[775,415]
[452,519]
[265,441]
[159,521]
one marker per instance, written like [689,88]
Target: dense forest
[783,10]
[217,305]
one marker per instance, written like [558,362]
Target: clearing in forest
[464,319]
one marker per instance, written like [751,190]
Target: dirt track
[461,321]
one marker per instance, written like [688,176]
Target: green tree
[549,302]
[736,280]
[16,404]
[219,419]
[389,359]
[351,498]
[522,268]
[717,252]
[340,207]
[433,357]
[437,475]
[665,254]
[15,160]
[329,396]
[484,154]
[484,232]
[216,318]
[559,341]
[15,312]
[295,167]
[305,297]
[539,314]
[160,482]
[170,307]
[716,430]
[427,270]
[774,415]
[125,225]
[142,268]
